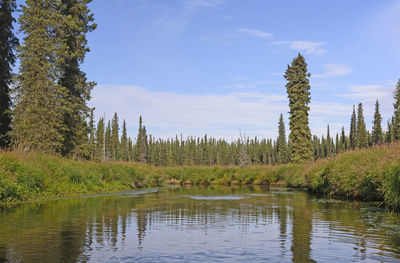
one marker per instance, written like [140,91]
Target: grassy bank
[368,175]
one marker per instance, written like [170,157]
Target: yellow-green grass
[368,174]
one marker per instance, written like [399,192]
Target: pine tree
[124,143]
[362,136]
[281,142]
[77,21]
[298,89]
[100,140]
[92,131]
[328,143]
[115,137]
[108,142]
[353,130]
[141,143]
[377,127]
[8,43]
[38,114]
[396,104]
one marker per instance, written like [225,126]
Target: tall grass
[368,175]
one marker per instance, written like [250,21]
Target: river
[199,224]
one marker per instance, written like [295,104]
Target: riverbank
[367,175]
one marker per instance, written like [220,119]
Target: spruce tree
[362,136]
[92,136]
[8,43]
[298,89]
[108,142]
[124,143]
[396,104]
[115,137]
[377,126]
[328,142]
[40,100]
[76,23]
[100,140]
[353,130]
[281,142]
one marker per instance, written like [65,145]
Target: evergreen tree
[77,21]
[115,138]
[389,133]
[328,143]
[396,104]
[38,114]
[353,130]
[100,140]
[92,131]
[377,127]
[362,136]
[141,143]
[124,144]
[108,142]
[298,89]
[8,42]
[281,142]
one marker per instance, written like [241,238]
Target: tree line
[44,107]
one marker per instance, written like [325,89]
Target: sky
[215,67]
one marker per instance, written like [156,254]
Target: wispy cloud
[193,4]
[308,47]
[333,70]
[254,32]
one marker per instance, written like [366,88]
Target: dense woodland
[43,107]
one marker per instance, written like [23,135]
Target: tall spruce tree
[124,143]
[8,43]
[281,142]
[329,146]
[298,89]
[115,137]
[100,140]
[92,135]
[353,130]
[362,136]
[396,104]
[377,135]
[40,99]
[77,22]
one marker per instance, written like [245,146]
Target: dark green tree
[396,104]
[124,144]
[362,136]
[92,135]
[39,98]
[76,23]
[115,137]
[329,146]
[353,130]
[100,140]
[8,43]
[377,135]
[281,142]
[298,89]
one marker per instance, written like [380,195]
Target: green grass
[367,175]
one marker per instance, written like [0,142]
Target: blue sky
[216,66]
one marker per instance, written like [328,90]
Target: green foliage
[8,42]
[298,89]
[396,117]
[377,135]
[362,135]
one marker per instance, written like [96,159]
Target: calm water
[210,224]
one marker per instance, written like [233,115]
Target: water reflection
[218,224]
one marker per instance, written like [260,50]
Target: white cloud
[192,4]
[333,70]
[215,114]
[167,113]
[307,46]
[254,32]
